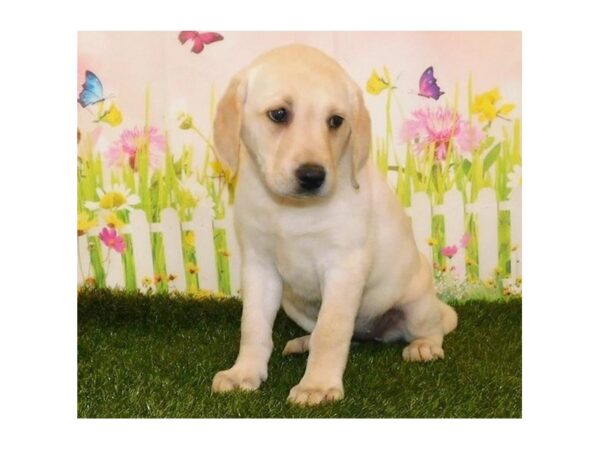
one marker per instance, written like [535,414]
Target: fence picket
[234,253]
[115,276]
[142,247]
[202,227]
[83,255]
[486,209]
[515,234]
[454,228]
[420,213]
[171,231]
[202,224]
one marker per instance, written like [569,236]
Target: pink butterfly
[199,39]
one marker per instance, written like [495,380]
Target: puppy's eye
[278,115]
[335,122]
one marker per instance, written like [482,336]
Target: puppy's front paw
[236,378]
[422,350]
[306,394]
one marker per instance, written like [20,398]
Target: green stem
[80,266]
[204,138]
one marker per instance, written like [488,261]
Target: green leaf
[487,143]
[491,157]
[466,167]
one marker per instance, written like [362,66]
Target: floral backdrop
[446,113]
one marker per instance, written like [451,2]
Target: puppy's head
[299,115]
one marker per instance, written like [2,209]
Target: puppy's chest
[304,250]
[299,261]
[304,244]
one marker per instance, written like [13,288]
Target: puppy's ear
[228,122]
[360,137]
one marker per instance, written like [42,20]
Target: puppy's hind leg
[298,345]
[427,320]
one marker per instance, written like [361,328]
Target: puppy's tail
[449,318]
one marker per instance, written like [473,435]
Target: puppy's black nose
[310,176]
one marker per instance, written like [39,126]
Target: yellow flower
[117,198]
[113,221]
[485,105]
[158,278]
[189,239]
[192,268]
[146,282]
[112,200]
[113,116]
[90,282]
[506,108]
[192,193]
[185,121]
[490,283]
[172,277]
[431,241]
[84,223]
[221,171]
[376,84]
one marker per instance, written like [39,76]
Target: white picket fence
[486,209]
[202,224]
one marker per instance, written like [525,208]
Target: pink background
[180,81]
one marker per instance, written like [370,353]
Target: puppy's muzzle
[310,177]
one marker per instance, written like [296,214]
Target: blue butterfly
[92,91]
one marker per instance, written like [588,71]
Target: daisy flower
[194,194]
[117,198]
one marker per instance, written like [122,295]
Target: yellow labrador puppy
[320,231]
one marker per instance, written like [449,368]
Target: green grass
[155,356]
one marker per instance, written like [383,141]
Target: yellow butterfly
[112,116]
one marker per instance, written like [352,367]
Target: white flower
[117,198]
[198,194]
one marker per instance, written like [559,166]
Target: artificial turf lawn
[141,356]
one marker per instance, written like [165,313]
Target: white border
[561,163]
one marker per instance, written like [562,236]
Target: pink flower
[469,138]
[111,239]
[464,240]
[449,251]
[126,148]
[429,127]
